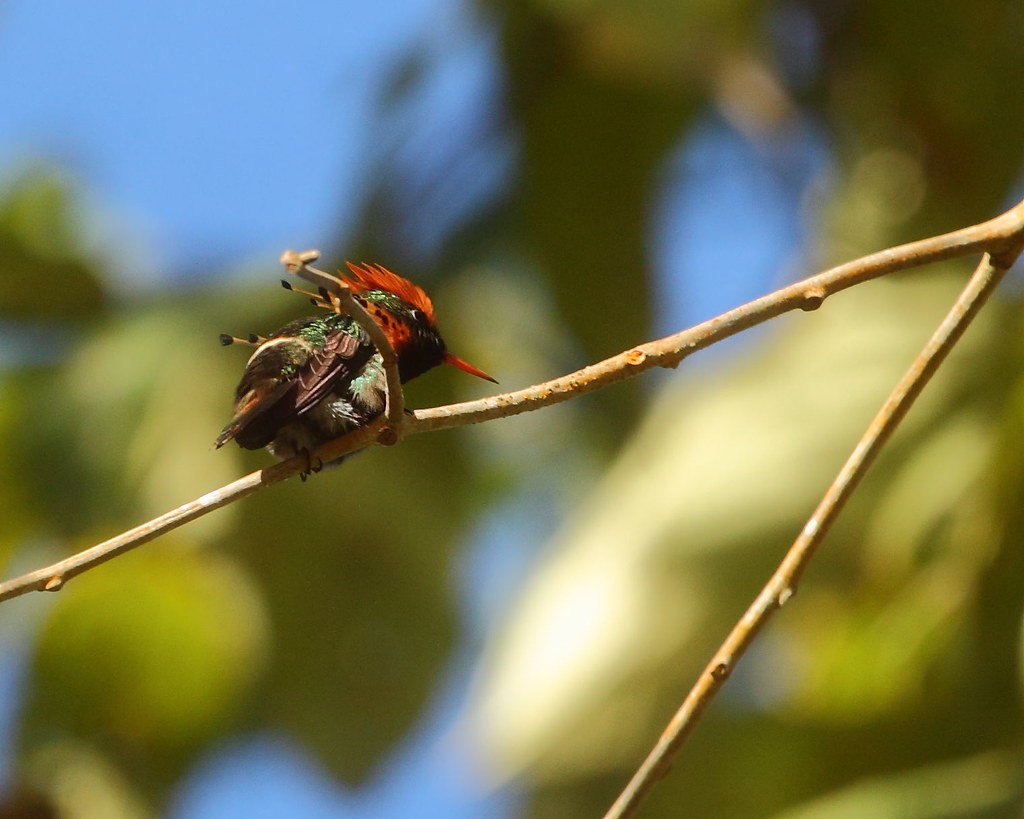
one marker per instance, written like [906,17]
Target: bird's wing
[275,389]
[342,356]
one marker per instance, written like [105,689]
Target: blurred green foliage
[890,686]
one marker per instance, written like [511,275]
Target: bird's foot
[312,467]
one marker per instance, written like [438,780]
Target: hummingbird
[319,377]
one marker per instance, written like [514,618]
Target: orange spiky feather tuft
[377,277]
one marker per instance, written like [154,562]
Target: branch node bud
[636,357]
[813,298]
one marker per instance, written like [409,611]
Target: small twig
[343,301]
[1000,235]
[783,583]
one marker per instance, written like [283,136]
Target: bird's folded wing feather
[267,400]
[342,356]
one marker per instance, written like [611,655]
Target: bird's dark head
[406,315]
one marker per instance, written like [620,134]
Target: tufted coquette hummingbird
[319,377]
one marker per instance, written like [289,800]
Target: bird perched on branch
[317,378]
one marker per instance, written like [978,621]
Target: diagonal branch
[783,583]
[1001,235]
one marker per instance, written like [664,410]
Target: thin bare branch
[1001,235]
[783,583]
[995,236]
[54,576]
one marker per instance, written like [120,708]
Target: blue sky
[205,135]
[210,136]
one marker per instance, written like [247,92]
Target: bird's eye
[416,315]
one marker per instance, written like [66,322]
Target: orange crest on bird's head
[375,277]
[400,334]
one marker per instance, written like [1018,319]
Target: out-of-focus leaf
[890,90]
[981,786]
[79,782]
[41,254]
[649,575]
[20,504]
[999,600]
[916,584]
[353,564]
[147,657]
[129,417]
